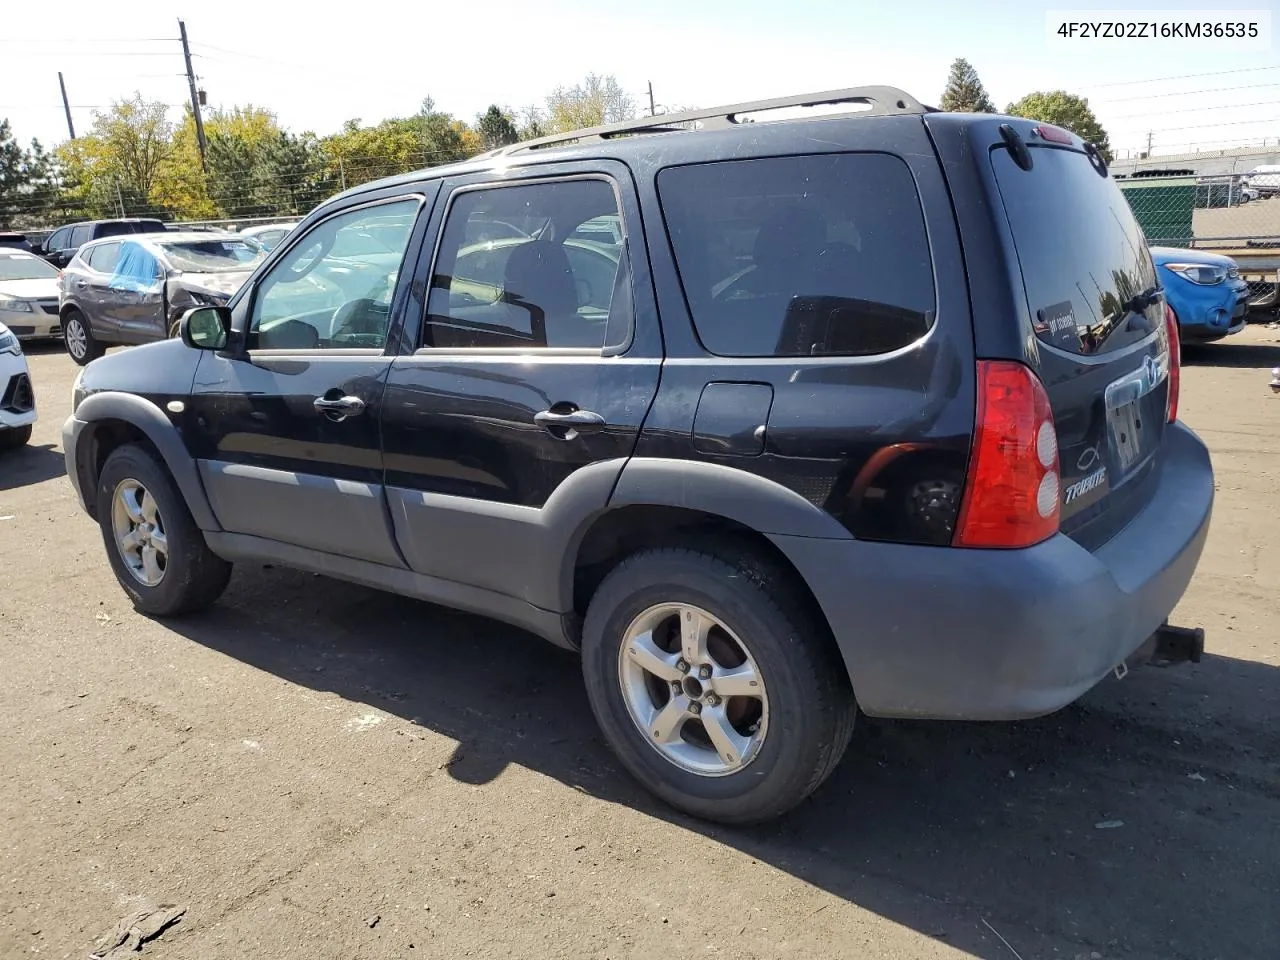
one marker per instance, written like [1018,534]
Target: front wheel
[715,685]
[157,552]
[79,339]
[15,437]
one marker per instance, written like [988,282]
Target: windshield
[211,256]
[23,266]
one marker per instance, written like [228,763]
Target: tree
[597,100]
[1064,110]
[28,185]
[136,138]
[965,92]
[496,128]
[533,123]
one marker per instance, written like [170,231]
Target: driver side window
[332,289]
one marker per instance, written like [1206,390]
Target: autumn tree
[1064,110]
[135,138]
[965,92]
[594,101]
[496,128]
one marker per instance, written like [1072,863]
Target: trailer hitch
[1177,645]
[1167,646]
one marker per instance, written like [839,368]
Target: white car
[28,295]
[267,236]
[17,399]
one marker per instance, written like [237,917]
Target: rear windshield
[1083,256]
[801,256]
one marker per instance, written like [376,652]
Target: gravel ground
[317,770]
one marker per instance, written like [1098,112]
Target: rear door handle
[567,424]
[339,408]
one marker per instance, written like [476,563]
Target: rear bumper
[939,632]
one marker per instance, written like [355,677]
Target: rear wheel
[78,339]
[714,684]
[15,437]
[157,552]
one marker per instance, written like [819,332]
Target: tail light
[1175,360]
[1012,492]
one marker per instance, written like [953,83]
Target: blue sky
[380,59]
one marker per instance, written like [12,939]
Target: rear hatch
[1097,317]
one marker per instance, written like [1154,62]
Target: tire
[81,345]
[191,575]
[810,706]
[15,437]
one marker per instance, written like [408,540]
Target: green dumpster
[1163,208]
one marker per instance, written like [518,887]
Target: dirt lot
[316,770]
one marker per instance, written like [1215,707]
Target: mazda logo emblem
[1087,459]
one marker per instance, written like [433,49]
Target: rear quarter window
[822,255]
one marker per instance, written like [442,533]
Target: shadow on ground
[1259,356]
[1142,822]
[30,464]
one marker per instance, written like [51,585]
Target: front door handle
[339,408]
[567,423]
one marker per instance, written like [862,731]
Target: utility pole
[1149,143]
[195,97]
[653,110]
[66,105]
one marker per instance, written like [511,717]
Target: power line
[1231,106]
[1188,93]
[62,42]
[1184,76]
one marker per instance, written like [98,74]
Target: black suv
[873,410]
[64,242]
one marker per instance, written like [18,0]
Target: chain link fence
[1236,215]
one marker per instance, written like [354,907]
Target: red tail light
[1012,494]
[1175,360]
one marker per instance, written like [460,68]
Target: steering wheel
[360,323]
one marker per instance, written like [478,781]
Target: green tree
[496,128]
[1064,110]
[965,92]
[594,101]
[28,185]
[136,138]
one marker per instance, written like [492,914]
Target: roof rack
[876,101]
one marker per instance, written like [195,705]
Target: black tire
[92,348]
[15,437]
[194,576]
[811,705]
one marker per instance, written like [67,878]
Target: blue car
[1205,291]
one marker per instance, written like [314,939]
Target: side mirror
[206,328]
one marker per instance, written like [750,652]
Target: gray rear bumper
[941,632]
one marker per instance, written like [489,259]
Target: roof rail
[876,101]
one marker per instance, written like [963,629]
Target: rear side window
[1082,253]
[81,235]
[103,257]
[801,256]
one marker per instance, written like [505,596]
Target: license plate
[1126,434]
